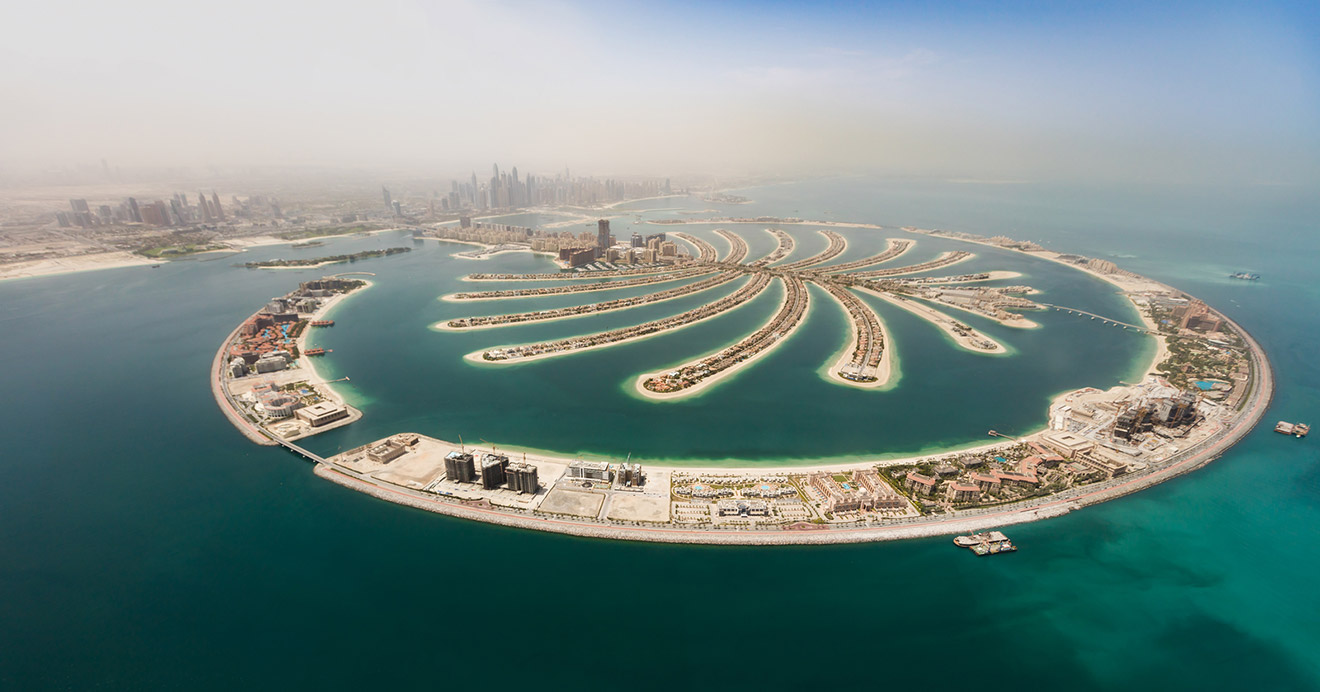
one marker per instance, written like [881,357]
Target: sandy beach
[1124,282]
[727,372]
[69,265]
[443,326]
[716,222]
[940,320]
[590,288]
[476,356]
[1020,323]
[996,275]
[323,313]
[882,372]
[967,520]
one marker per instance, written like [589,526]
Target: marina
[1294,429]
[989,543]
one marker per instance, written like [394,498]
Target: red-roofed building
[963,492]
[987,483]
[921,484]
[1021,479]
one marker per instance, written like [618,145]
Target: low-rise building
[589,470]
[963,492]
[279,404]
[1067,444]
[271,363]
[323,413]
[987,483]
[386,452]
[743,508]
[918,483]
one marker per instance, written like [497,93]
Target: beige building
[321,414]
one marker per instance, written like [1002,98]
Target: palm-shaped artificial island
[864,363]
[1098,445]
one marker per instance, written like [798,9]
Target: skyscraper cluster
[176,211]
[503,190]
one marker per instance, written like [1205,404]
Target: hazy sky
[1196,92]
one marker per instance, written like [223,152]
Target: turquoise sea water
[146,544]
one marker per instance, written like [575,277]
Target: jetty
[988,543]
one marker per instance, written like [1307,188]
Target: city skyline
[1179,93]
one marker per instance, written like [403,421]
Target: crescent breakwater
[1044,474]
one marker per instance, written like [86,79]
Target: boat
[1294,429]
[988,543]
[1244,276]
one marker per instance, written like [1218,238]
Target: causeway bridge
[1107,320]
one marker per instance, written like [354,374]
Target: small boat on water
[1294,429]
[1244,276]
[988,543]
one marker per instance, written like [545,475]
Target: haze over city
[1188,92]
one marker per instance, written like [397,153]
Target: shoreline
[727,372]
[77,264]
[220,387]
[965,522]
[321,313]
[1184,461]
[883,371]
[1022,323]
[475,356]
[580,288]
[716,222]
[443,325]
[936,318]
[1135,282]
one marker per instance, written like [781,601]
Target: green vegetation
[329,231]
[333,259]
[176,244]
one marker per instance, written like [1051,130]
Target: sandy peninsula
[942,321]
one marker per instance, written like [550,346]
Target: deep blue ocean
[145,544]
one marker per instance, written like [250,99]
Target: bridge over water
[1107,320]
